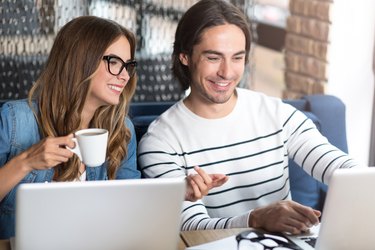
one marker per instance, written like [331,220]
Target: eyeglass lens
[254,241]
[116,65]
[266,244]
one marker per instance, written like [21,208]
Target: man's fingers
[311,215]
[317,213]
[284,216]
[218,176]
[206,178]
[196,190]
[193,192]
[211,180]
[200,184]
[298,226]
[218,179]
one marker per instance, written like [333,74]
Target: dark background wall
[28,28]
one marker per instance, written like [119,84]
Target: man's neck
[210,110]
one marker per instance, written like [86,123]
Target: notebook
[116,214]
[348,218]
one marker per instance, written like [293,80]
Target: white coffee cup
[91,146]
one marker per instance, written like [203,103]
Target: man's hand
[199,184]
[284,216]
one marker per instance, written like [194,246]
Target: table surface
[193,238]
[4,245]
[187,238]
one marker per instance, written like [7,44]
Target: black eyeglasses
[254,239]
[116,65]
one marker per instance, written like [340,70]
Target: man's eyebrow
[221,54]
[212,52]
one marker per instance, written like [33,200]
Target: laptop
[347,221]
[348,217]
[116,214]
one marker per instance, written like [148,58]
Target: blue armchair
[326,111]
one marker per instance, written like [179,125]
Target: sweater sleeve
[311,150]
[195,217]
[157,157]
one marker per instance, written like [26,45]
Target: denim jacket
[18,131]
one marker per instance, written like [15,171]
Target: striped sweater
[251,145]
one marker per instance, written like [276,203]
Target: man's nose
[226,69]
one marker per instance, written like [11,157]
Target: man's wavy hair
[61,90]
[201,16]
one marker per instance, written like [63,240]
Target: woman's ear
[184,59]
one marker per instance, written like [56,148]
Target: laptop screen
[118,214]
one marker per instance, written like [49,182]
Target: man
[224,129]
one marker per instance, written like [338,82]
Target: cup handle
[76,149]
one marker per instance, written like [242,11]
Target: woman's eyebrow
[128,60]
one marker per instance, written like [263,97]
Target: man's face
[216,64]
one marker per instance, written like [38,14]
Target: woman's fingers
[49,152]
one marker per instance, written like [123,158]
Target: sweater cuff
[241,221]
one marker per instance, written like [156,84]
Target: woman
[85,83]
[88,81]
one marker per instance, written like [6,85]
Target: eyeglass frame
[262,236]
[125,65]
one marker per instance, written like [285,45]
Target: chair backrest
[326,111]
[143,113]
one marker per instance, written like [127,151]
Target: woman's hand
[47,153]
[199,184]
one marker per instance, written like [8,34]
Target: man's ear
[184,59]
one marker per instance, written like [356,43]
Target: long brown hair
[61,89]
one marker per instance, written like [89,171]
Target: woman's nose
[124,75]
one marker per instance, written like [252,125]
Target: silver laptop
[118,214]
[349,212]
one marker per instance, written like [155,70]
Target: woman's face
[105,88]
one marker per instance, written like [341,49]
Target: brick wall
[306,47]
